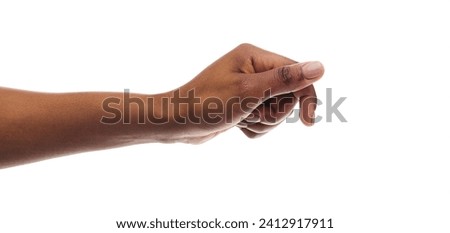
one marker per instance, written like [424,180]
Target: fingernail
[312,70]
[311,111]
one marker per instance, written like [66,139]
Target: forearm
[36,126]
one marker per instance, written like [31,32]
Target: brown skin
[36,126]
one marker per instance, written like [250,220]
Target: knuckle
[245,46]
[288,74]
[284,74]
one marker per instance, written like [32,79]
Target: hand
[250,88]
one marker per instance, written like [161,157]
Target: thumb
[286,79]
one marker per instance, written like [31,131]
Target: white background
[386,170]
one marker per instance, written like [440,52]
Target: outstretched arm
[250,88]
